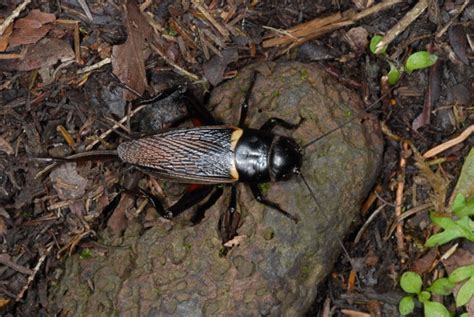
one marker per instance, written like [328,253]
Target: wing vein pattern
[203,154]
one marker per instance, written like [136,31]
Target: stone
[179,271]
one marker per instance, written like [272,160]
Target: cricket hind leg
[257,193]
[197,110]
[201,210]
[229,221]
[188,200]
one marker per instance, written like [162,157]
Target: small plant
[417,60]
[411,283]
[459,226]
[86,253]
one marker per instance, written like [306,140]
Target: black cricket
[216,154]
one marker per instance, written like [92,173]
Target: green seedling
[459,225]
[412,283]
[417,60]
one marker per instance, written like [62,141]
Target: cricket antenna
[357,115]
[324,213]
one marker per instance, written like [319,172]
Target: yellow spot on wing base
[235,137]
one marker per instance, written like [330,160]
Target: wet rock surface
[174,269]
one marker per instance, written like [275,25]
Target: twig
[95,66]
[354,313]
[444,28]
[86,9]
[398,28]
[301,33]
[35,271]
[222,30]
[180,70]
[115,126]
[405,215]
[5,260]
[13,15]
[399,198]
[446,145]
[366,224]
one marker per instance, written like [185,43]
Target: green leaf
[464,315]
[462,208]
[458,203]
[465,293]
[85,253]
[411,282]
[435,309]
[461,273]
[463,227]
[418,60]
[373,44]
[442,286]
[424,296]
[393,75]
[406,305]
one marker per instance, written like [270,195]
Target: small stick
[354,313]
[450,143]
[398,28]
[35,271]
[115,126]
[95,66]
[179,69]
[366,224]
[319,26]
[445,28]
[399,198]
[5,260]
[13,15]
[222,30]
[405,215]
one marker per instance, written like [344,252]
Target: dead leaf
[424,264]
[214,68]
[5,38]
[28,36]
[3,227]
[67,182]
[32,28]
[6,147]
[358,39]
[118,220]
[235,241]
[128,61]
[4,302]
[45,53]
[35,19]
[457,39]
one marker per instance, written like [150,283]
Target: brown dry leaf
[118,220]
[214,68]
[5,38]
[3,227]
[4,302]
[424,264]
[67,182]
[35,19]
[128,61]
[44,54]
[6,147]
[32,28]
